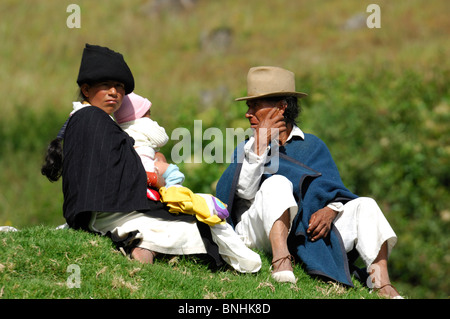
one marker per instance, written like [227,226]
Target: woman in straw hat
[285,195]
[105,184]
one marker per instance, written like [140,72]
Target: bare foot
[143,255]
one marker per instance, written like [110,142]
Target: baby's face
[147,114]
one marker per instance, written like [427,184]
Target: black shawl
[101,170]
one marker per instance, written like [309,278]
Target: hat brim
[275,94]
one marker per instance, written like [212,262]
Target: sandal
[396,297]
[284,275]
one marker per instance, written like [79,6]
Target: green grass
[35,264]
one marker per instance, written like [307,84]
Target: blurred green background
[379,97]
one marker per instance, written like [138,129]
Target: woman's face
[107,95]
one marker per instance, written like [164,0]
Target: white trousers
[361,224]
[177,237]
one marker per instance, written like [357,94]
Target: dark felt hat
[100,64]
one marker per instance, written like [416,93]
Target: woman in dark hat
[104,181]
[95,176]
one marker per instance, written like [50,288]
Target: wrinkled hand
[320,223]
[267,129]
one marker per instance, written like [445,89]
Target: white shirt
[253,169]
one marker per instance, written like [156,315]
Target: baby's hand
[160,179]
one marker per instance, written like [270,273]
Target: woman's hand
[320,223]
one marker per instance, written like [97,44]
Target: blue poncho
[308,164]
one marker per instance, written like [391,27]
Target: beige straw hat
[270,81]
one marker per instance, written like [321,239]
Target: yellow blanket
[183,200]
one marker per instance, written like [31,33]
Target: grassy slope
[34,264]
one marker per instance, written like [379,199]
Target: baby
[134,118]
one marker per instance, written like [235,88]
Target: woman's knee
[278,183]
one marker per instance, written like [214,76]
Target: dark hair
[292,111]
[52,167]
[80,94]
[293,108]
